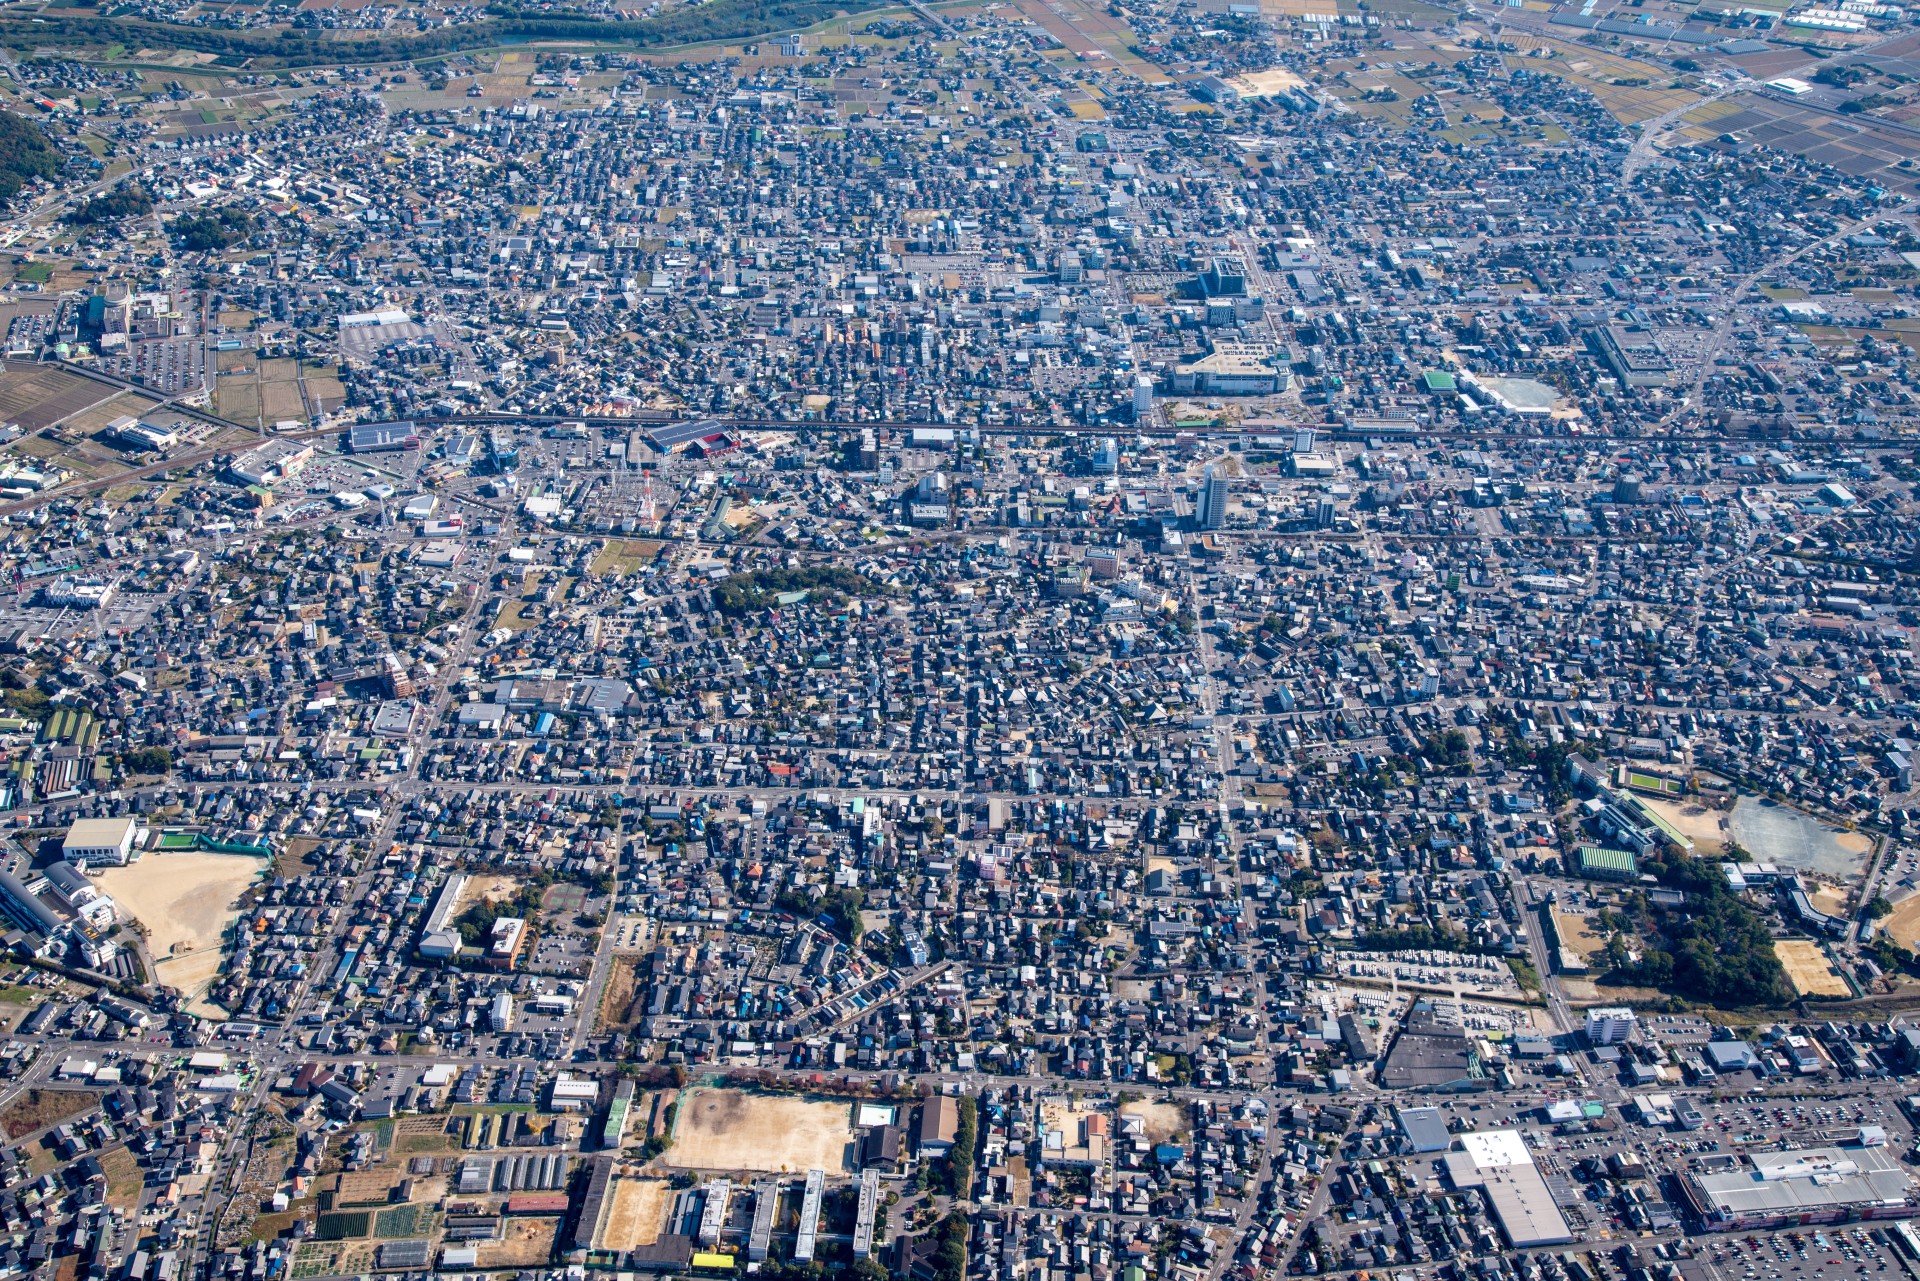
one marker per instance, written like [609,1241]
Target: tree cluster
[840,905]
[206,232]
[748,593]
[1717,949]
[128,200]
[25,154]
[950,1256]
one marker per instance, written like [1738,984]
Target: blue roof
[1731,1055]
[665,438]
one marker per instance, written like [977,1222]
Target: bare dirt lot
[1577,932]
[1583,992]
[366,1187]
[733,1130]
[193,974]
[1903,926]
[1808,968]
[1707,826]
[123,1178]
[38,1109]
[635,1212]
[1831,899]
[617,1000]
[1162,1120]
[527,1243]
[186,901]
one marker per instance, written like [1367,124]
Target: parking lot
[1803,1124]
[630,933]
[1812,1252]
[169,365]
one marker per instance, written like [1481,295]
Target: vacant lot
[528,1243]
[17,1002]
[624,555]
[616,1001]
[732,1130]
[123,1178]
[634,1214]
[1808,968]
[37,1109]
[1161,1120]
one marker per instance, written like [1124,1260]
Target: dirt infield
[733,1130]
[635,1212]
[1707,826]
[1903,927]
[1577,933]
[1808,968]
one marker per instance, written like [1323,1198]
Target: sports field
[186,901]
[1808,968]
[1705,825]
[734,1130]
[635,1210]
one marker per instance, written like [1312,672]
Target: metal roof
[675,434]
[1498,1163]
[1800,1180]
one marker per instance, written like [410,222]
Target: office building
[1210,501]
[1611,1025]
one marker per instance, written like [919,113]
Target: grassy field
[625,555]
[514,616]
